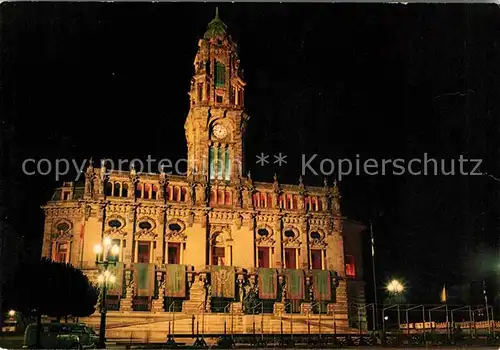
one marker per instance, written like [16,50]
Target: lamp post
[104,279]
[395,289]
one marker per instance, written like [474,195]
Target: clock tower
[216,120]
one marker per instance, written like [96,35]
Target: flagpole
[374,276]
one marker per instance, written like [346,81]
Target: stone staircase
[155,327]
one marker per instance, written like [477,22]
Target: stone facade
[213,216]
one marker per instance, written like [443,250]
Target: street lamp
[12,313]
[395,287]
[106,278]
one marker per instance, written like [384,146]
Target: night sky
[337,80]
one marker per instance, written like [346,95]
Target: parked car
[61,336]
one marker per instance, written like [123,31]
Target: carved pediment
[146,228]
[115,225]
[176,231]
[317,238]
[291,236]
[265,235]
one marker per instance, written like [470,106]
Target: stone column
[127,253]
[304,261]
[278,259]
[126,303]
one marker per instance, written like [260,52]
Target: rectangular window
[219,164]
[227,166]
[218,254]
[219,99]
[174,253]
[66,196]
[350,266]
[200,92]
[211,162]
[290,258]
[240,97]
[62,252]
[263,256]
[316,259]
[143,252]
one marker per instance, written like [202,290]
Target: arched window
[183,194]
[169,192]
[220,74]
[125,190]
[147,190]
[176,194]
[116,191]
[138,191]
[307,201]
[320,205]
[289,199]
[263,201]
[227,198]
[269,200]
[220,197]
[282,203]
[256,197]
[294,205]
[109,189]
[155,191]
[212,197]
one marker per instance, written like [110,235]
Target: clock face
[219,131]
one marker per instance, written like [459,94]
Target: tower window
[227,166]
[211,163]
[220,74]
[219,99]
[219,164]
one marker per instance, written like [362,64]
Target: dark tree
[49,288]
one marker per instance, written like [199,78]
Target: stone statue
[192,192]
[103,169]
[311,291]
[282,284]
[302,192]
[336,198]
[240,290]
[133,172]
[163,175]
[276,185]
